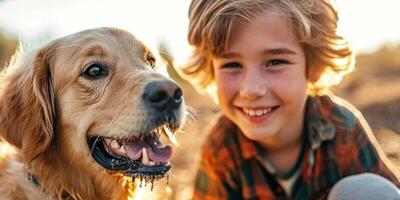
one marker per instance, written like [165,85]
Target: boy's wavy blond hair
[211,25]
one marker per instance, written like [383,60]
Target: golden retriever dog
[84,115]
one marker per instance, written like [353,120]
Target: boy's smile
[261,80]
[258,115]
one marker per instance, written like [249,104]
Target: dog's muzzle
[164,96]
[143,155]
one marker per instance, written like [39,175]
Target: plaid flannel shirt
[339,144]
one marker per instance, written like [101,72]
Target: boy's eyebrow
[227,55]
[266,51]
[279,51]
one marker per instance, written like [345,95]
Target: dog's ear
[27,104]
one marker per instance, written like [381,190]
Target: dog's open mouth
[143,157]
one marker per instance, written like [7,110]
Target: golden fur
[48,109]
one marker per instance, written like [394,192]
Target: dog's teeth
[145,158]
[122,150]
[107,141]
[114,144]
[152,163]
[171,137]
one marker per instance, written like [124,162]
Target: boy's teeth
[256,112]
[252,112]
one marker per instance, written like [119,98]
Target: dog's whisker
[191,112]
[190,120]
[98,138]
[181,131]
[191,109]
[191,116]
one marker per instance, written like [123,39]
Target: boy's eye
[276,62]
[231,65]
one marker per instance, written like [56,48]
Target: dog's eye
[94,71]
[151,60]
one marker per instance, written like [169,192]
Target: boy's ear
[27,105]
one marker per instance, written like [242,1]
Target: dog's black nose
[163,95]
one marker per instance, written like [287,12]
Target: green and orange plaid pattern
[339,144]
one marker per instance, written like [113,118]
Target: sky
[367,24]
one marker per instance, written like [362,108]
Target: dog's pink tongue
[156,151]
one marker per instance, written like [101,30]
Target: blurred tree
[169,61]
[189,91]
[7,48]
[374,87]
[192,96]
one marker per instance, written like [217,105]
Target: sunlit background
[371,26]
[366,23]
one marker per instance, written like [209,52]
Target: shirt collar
[247,146]
[318,124]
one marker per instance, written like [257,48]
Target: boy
[282,134]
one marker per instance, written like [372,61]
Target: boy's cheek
[290,83]
[227,81]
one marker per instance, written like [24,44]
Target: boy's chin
[259,135]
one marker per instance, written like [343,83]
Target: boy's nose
[253,85]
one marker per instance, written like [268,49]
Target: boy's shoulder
[221,135]
[337,110]
[333,118]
